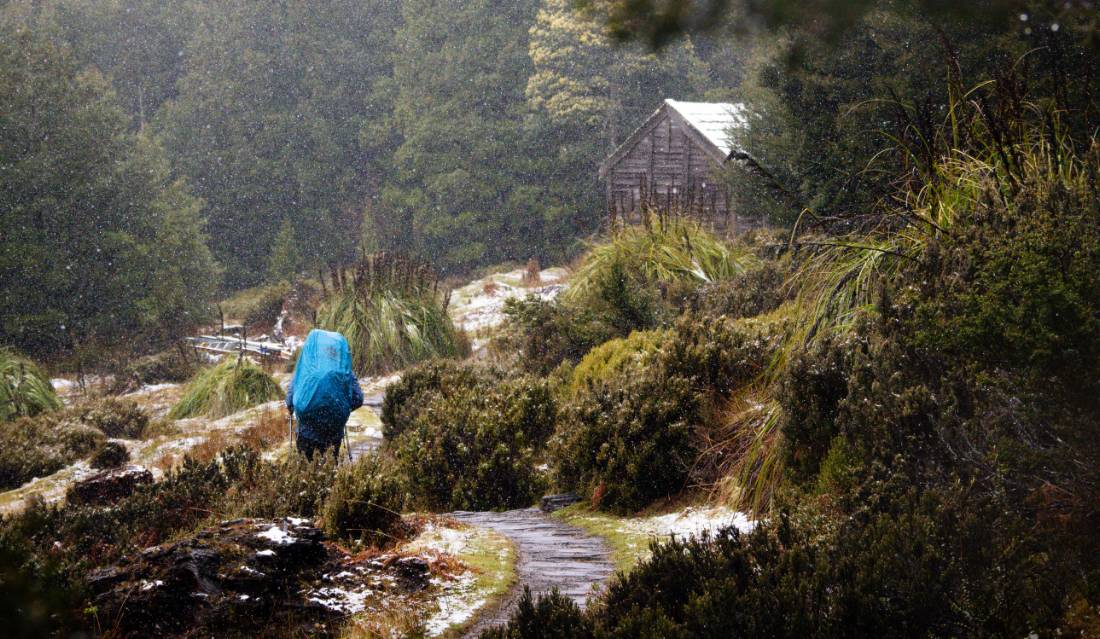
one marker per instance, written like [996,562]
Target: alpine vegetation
[392,313]
[25,390]
[225,389]
[638,270]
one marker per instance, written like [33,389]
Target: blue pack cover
[322,379]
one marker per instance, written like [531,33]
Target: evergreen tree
[274,117]
[462,194]
[98,243]
[584,78]
[284,263]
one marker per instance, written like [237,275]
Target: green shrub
[628,441]
[225,389]
[257,307]
[37,603]
[295,486]
[721,354]
[392,314]
[25,390]
[909,564]
[115,417]
[541,335]
[639,405]
[172,365]
[550,616]
[365,503]
[810,390]
[476,447]
[39,446]
[405,399]
[617,357]
[111,455]
[756,291]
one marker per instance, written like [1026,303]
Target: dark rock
[414,571]
[550,503]
[257,577]
[109,486]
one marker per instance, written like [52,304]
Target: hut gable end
[673,157]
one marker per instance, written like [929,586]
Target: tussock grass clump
[672,252]
[391,312]
[225,389]
[25,390]
[1015,194]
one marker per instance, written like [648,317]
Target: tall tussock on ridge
[25,390]
[392,312]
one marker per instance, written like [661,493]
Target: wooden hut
[672,161]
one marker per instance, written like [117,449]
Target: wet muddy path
[550,554]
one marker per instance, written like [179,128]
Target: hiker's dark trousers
[308,447]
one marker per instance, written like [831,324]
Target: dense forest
[895,378]
[467,132]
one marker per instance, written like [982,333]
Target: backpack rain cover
[322,378]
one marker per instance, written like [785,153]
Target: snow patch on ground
[277,535]
[151,388]
[373,386]
[61,385]
[341,600]
[441,539]
[455,605]
[691,522]
[479,305]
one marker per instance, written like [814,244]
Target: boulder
[109,486]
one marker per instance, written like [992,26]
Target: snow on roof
[712,119]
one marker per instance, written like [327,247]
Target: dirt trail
[550,554]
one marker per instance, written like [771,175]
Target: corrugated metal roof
[712,119]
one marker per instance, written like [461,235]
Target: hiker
[323,392]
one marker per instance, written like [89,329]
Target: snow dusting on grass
[340,599]
[456,605]
[694,521]
[630,537]
[486,561]
[479,305]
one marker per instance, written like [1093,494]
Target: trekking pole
[347,442]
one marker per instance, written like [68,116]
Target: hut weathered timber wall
[672,162]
